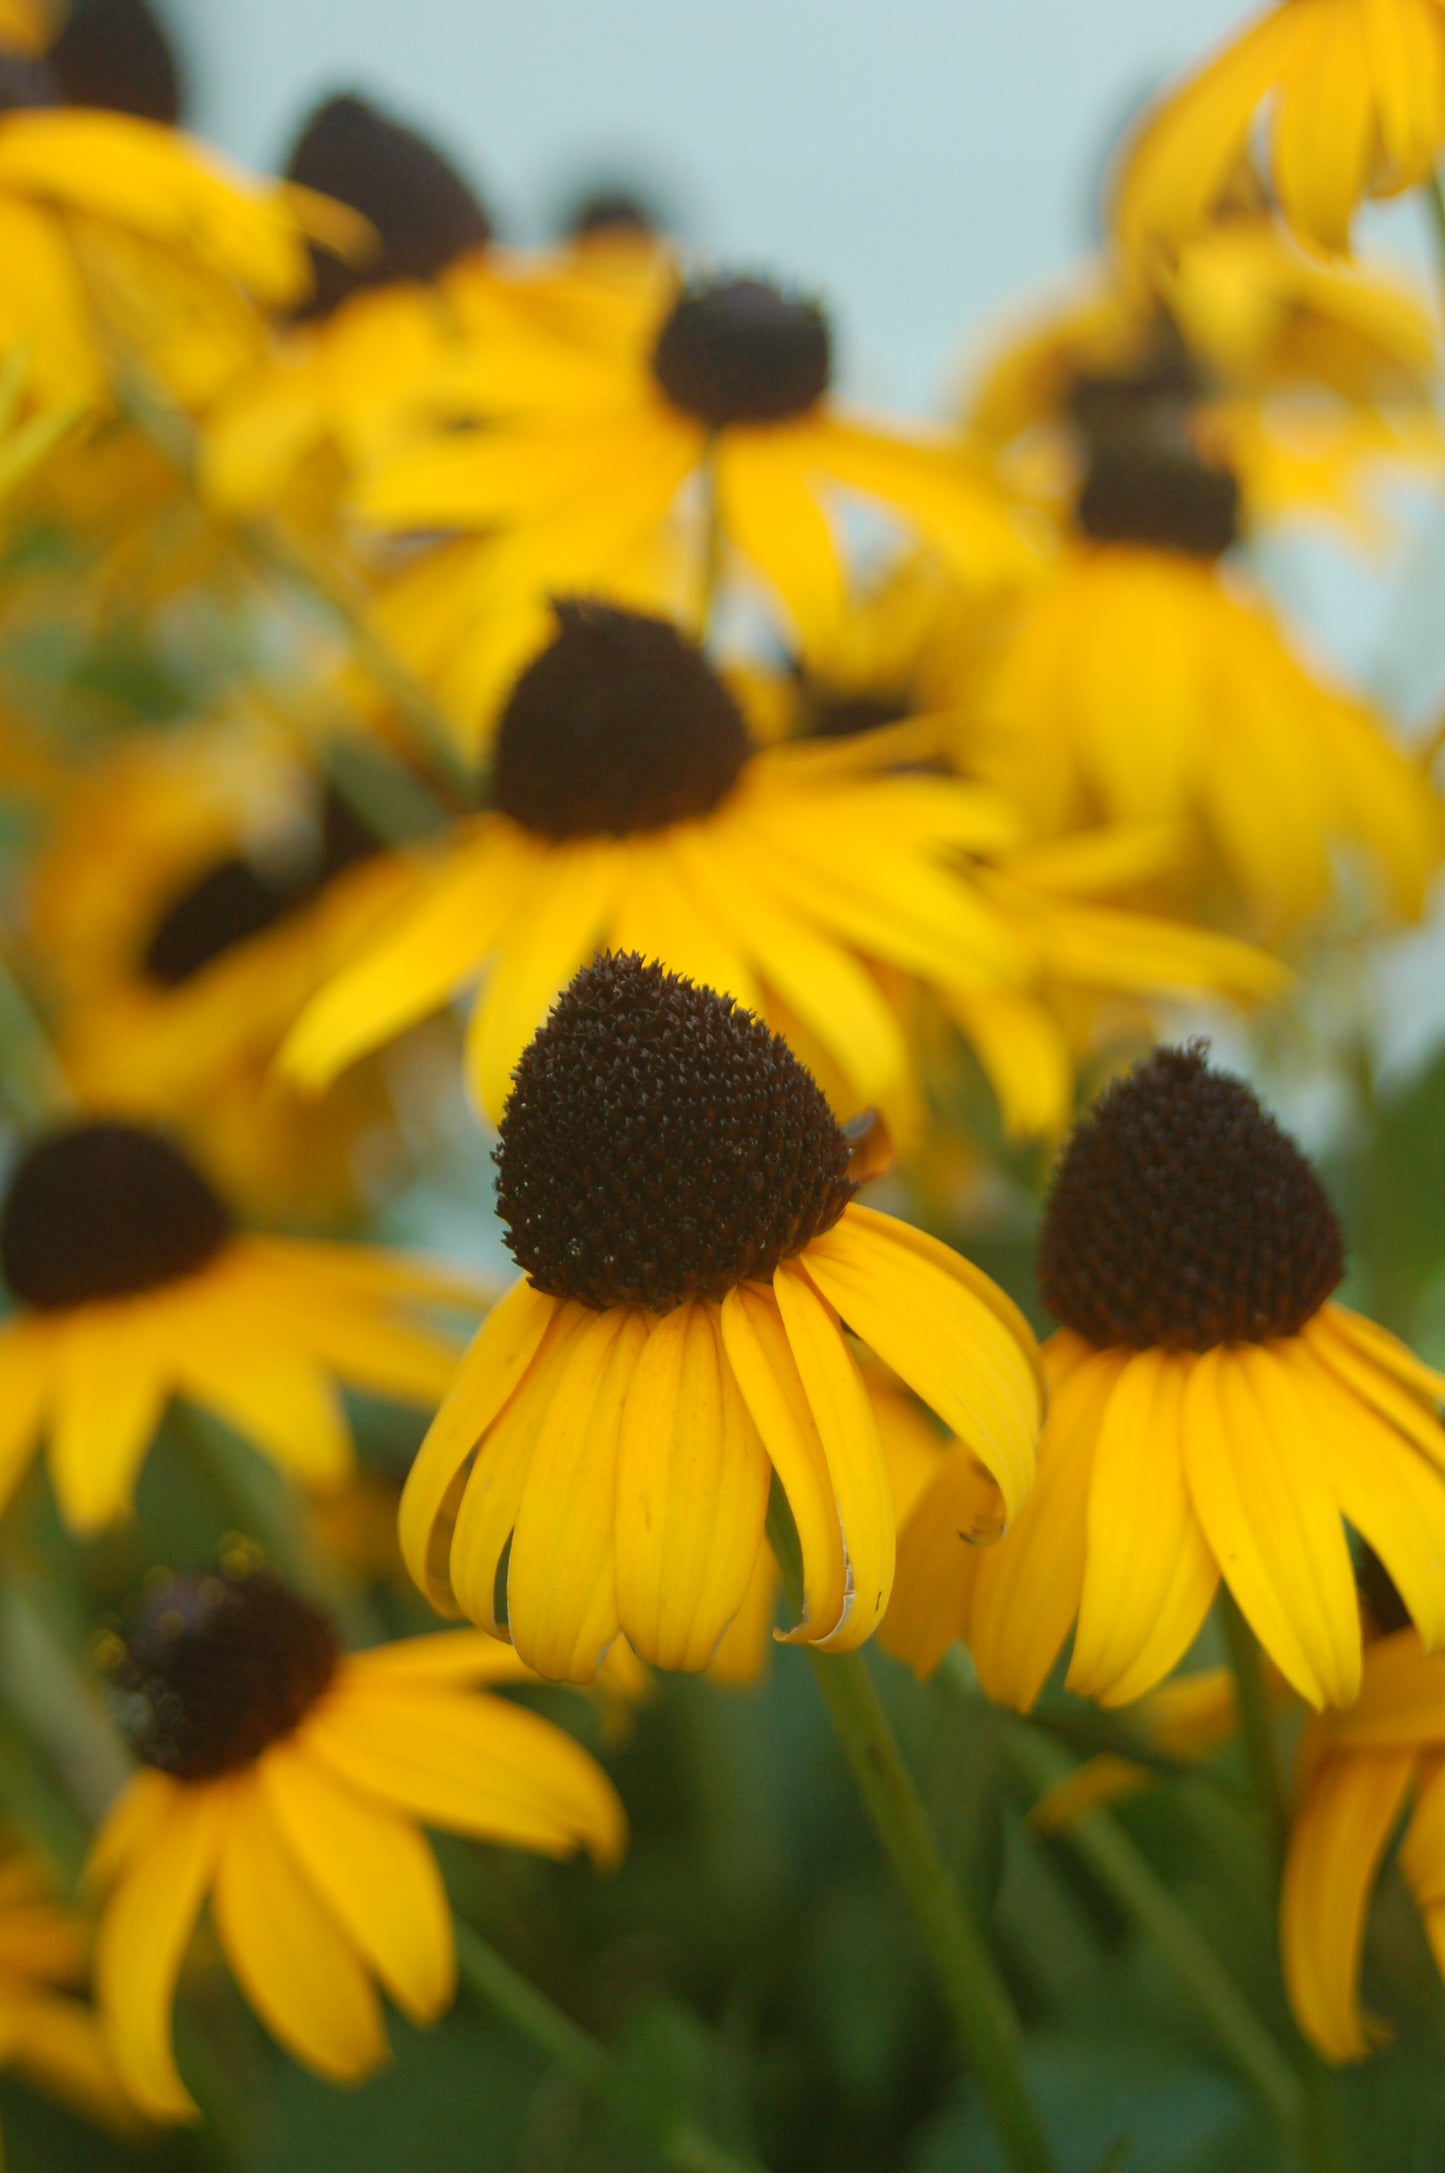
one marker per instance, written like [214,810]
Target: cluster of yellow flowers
[750,800]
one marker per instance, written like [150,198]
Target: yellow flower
[48,2036]
[26,26]
[587,444]
[1212,1414]
[134,1287]
[1359,1769]
[286,1782]
[1142,680]
[630,813]
[116,226]
[679,1196]
[1354,91]
[195,891]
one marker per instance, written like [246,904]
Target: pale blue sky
[919,160]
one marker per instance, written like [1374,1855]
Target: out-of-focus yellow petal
[112,1383]
[552,931]
[1335,1848]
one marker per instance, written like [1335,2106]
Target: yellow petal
[769,512]
[561,1577]
[373,1870]
[1271,1517]
[549,936]
[1149,1576]
[1335,1848]
[111,1389]
[501,1351]
[938,1561]
[692,1494]
[295,1964]
[281,1401]
[946,1341]
[142,1938]
[767,1376]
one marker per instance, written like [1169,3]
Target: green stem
[1125,1873]
[976,1995]
[1256,1722]
[492,1980]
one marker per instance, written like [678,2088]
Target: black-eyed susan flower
[628,811]
[680,1199]
[589,441]
[194,892]
[1213,1414]
[133,1286]
[48,2033]
[1353,92]
[1143,680]
[285,1782]
[1360,1771]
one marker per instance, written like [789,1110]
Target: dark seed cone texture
[105,1210]
[743,351]
[217,1669]
[661,1144]
[1182,1216]
[113,54]
[619,726]
[1162,498]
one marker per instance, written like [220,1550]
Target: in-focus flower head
[743,351]
[114,54]
[134,1286]
[681,1198]
[425,215]
[619,727]
[286,1780]
[1214,1414]
[659,1144]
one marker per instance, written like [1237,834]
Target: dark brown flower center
[1160,496]
[743,351]
[620,725]
[217,1669]
[25,84]
[1182,1216]
[425,215]
[610,211]
[113,54]
[103,1210]
[661,1144]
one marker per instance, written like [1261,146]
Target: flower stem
[1435,205]
[1256,1723]
[975,1993]
[490,1978]
[1125,1873]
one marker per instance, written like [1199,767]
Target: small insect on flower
[1214,1414]
[286,1781]
[680,1198]
[134,1286]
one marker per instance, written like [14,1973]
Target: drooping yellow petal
[1024,1051]
[143,1936]
[1271,1517]
[659,915]
[1323,136]
[1402,1699]
[561,1576]
[28,1351]
[848,1431]
[470,1764]
[1335,1848]
[487,1512]
[445,1656]
[293,1961]
[1026,1589]
[279,1400]
[375,1873]
[767,1376]
[769,512]
[111,1387]
[692,1494]
[946,1342]
[1422,1851]
[938,1562]
[500,1353]
[1149,1576]
[128,1827]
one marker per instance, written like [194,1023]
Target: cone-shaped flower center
[217,1669]
[620,725]
[661,1144]
[1181,1216]
[234,900]
[743,351]
[1160,496]
[105,1210]
[114,54]
[422,209]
